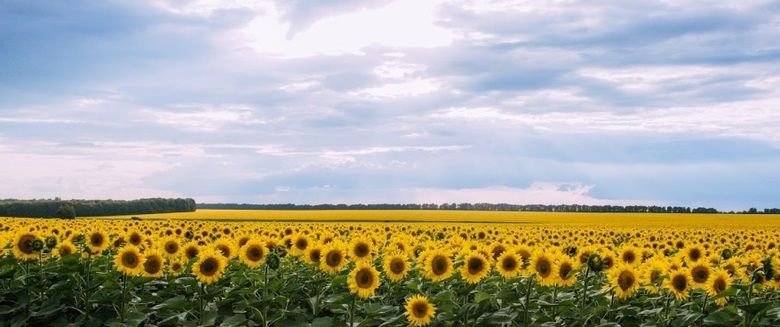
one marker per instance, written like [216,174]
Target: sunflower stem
[123,312]
[585,287]
[703,309]
[554,300]
[200,302]
[527,299]
[352,312]
[748,319]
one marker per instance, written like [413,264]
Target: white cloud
[205,118]
[537,193]
[409,88]
[401,24]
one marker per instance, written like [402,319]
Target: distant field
[623,219]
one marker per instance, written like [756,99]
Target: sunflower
[630,255]
[475,267]
[363,280]
[679,283]
[565,270]
[437,265]
[653,270]
[191,250]
[64,248]
[624,279]
[153,264]
[361,250]
[170,246]
[176,266]
[313,255]
[419,310]
[693,253]
[718,282]
[508,264]
[253,253]
[134,237]
[129,260]
[225,248]
[700,273]
[97,241]
[299,244]
[335,258]
[396,266]
[23,247]
[209,267]
[542,267]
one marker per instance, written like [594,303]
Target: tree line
[50,208]
[476,206]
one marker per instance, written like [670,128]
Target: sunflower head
[509,264]
[209,267]
[363,280]
[23,247]
[475,267]
[679,283]
[624,279]
[542,267]
[97,241]
[437,265]
[170,247]
[565,271]
[253,253]
[419,310]
[396,266]
[129,260]
[153,264]
[333,258]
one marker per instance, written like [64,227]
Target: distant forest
[88,208]
[477,206]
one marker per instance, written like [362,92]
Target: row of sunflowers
[195,273]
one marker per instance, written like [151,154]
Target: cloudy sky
[356,101]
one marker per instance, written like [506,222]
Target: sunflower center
[564,271]
[96,239]
[397,265]
[225,250]
[497,251]
[543,267]
[135,239]
[315,255]
[719,285]
[209,267]
[333,259]
[65,250]
[364,278]
[509,263]
[171,247]
[694,255]
[679,283]
[25,244]
[152,265]
[700,274]
[361,250]
[654,275]
[626,280]
[475,266]
[629,257]
[130,260]
[420,309]
[254,253]
[191,252]
[301,244]
[439,265]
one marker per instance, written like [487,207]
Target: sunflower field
[117,272]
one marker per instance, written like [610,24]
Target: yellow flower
[363,280]
[624,279]
[97,241]
[542,267]
[361,250]
[700,273]
[209,267]
[693,253]
[191,250]
[396,266]
[153,264]
[129,260]
[437,266]
[64,248]
[565,271]
[170,247]
[679,283]
[508,264]
[334,258]
[299,244]
[134,237]
[718,282]
[23,247]
[226,248]
[253,253]
[176,266]
[652,272]
[475,267]
[313,255]
[419,310]
[630,255]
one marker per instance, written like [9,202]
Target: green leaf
[481,296]
[234,320]
[322,322]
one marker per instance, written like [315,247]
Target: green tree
[66,211]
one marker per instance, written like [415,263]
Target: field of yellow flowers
[522,269]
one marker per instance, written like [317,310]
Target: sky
[408,101]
